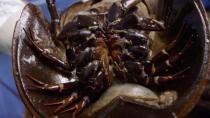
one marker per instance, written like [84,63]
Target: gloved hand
[10,11]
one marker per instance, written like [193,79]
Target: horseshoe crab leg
[39,85]
[164,53]
[70,104]
[169,56]
[78,107]
[65,102]
[56,56]
[172,60]
[162,79]
[55,18]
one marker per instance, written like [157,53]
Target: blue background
[10,103]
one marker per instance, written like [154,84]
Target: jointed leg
[156,80]
[52,87]
[137,74]
[154,68]
[79,106]
[55,19]
[65,102]
[172,45]
[162,79]
[53,57]
[172,59]
[166,58]
[71,103]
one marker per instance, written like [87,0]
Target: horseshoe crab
[36,51]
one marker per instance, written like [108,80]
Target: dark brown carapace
[102,47]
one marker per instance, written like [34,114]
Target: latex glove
[10,11]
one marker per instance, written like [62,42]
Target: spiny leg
[39,85]
[162,79]
[172,59]
[55,19]
[74,103]
[172,45]
[65,102]
[156,65]
[79,106]
[44,52]
[78,100]
[170,62]
[135,72]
